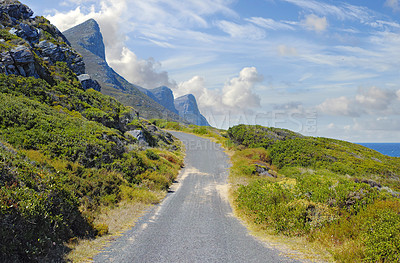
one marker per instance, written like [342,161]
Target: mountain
[87,39]
[165,97]
[187,104]
[187,108]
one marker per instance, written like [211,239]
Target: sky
[322,68]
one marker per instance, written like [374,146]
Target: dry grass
[119,219]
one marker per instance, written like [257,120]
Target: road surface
[194,223]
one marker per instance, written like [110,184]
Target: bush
[37,214]
[382,232]
[152,155]
[101,229]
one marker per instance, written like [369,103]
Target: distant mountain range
[87,39]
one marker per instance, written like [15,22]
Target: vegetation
[67,96]
[203,131]
[341,195]
[66,157]
[64,170]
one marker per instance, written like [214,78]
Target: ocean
[391,149]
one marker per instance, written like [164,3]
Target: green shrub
[152,155]
[101,229]
[37,214]
[382,232]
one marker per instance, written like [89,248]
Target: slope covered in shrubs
[335,193]
[65,150]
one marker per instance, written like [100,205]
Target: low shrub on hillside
[329,191]
[37,213]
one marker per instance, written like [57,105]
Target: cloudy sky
[323,68]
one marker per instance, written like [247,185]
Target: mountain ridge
[86,38]
[159,102]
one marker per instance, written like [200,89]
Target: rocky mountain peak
[15,9]
[165,97]
[188,109]
[88,35]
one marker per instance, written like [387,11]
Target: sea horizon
[387,148]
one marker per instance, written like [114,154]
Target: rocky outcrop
[52,53]
[188,109]
[18,61]
[89,83]
[15,9]
[165,97]
[139,136]
[29,46]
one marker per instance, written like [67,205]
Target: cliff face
[88,36]
[165,97]
[188,109]
[87,39]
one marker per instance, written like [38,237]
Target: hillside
[341,197]
[66,150]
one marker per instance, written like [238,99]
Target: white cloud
[236,95]
[375,98]
[341,106]
[316,23]
[248,31]
[394,4]
[341,10]
[372,101]
[208,100]
[305,77]
[238,92]
[144,73]
[269,23]
[398,94]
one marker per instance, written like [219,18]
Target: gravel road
[194,223]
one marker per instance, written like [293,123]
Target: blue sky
[322,68]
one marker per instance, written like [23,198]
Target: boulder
[139,135]
[22,55]
[88,83]
[53,53]
[28,32]
[262,170]
[19,61]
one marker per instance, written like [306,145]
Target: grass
[118,220]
